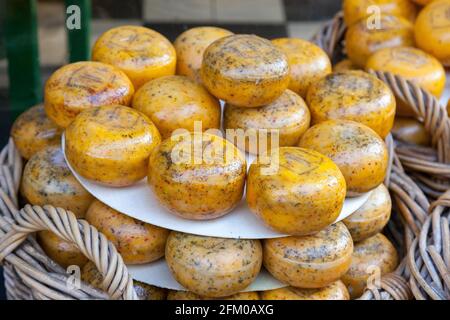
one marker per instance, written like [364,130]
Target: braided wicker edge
[29,273]
[425,267]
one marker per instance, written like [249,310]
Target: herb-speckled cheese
[213,267]
[176,102]
[245,70]
[353,95]
[62,252]
[190,46]
[311,261]
[142,53]
[334,291]
[358,151]
[304,193]
[111,144]
[372,216]
[188,295]
[137,242]
[432,30]
[371,253]
[33,131]
[411,131]
[197,185]
[307,63]
[288,114]
[362,39]
[83,85]
[47,180]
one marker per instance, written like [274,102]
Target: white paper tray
[139,202]
[158,274]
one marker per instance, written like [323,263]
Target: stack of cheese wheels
[317,134]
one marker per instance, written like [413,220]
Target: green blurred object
[78,29]
[20,25]
[18,39]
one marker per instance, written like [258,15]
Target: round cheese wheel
[33,131]
[213,267]
[190,46]
[374,254]
[313,261]
[410,131]
[64,253]
[136,241]
[355,10]
[334,291]
[358,151]
[47,180]
[362,39]
[197,176]
[412,64]
[142,53]
[307,63]
[92,276]
[372,216]
[298,192]
[245,70]
[353,95]
[175,102]
[188,295]
[83,85]
[111,145]
[432,30]
[344,65]
[287,117]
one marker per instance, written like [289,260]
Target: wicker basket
[419,227]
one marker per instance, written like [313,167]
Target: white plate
[158,274]
[139,202]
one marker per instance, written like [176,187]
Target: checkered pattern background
[266,18]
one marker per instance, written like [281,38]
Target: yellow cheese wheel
[411,131]
[288,115]
[299,192]
[432,30]
[353,95]
[355,10]
[83,85]
[374,254]
[412,64]
[33,131]
[175,102]
[136,241]
[448,108]
[197,176]
[111,144]
[245,70]
[307,63]
[213,267]
[91,275]
[344,65]
[47,180]
[358,151]
[190,46]
[142,53]
[64,253]
[313,261]
[188,295]
[372,216]
[334,291]
[362,40]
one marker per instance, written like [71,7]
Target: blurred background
[33,34]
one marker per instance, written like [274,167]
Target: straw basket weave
[419,226]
